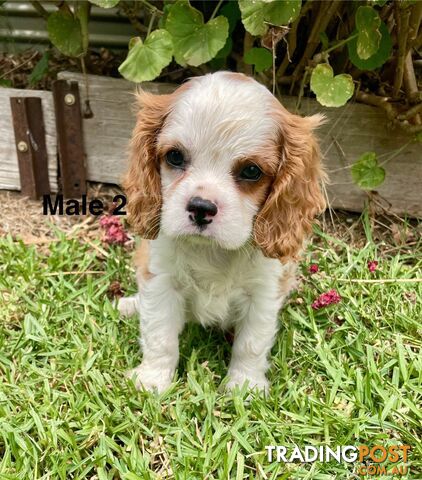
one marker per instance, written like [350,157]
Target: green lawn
[345,375]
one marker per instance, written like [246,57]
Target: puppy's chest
[211,294]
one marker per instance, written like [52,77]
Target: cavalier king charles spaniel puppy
[223,187]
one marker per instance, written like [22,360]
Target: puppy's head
[220,160]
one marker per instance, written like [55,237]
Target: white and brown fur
[238,271]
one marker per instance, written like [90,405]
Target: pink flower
[328,298]
[114,231]
[107,221]
[372,265]
[313,268]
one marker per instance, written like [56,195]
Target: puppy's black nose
[201,210]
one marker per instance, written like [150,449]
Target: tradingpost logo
[370,460]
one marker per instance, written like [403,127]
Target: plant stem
[302,88]
[414,24]
[292,40]
[377,101]
[151,23]
[407,127]
[402,27]
[340,44]
[82,10]
[411,112]
[63,6]
[131,15]
[40,9]
[410,81]
[320,24]
[396,153]
[152,7]
[247,45]
[216,9]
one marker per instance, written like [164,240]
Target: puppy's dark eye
[175,158]
[251,173]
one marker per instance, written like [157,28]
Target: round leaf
[260,57]
[282,13]
[253,16]
[367,173]
[331,91]
[105,3]
[231,11]
[376,60]
[369,36]
[225,51]
[195,42]
[256,14]
[145,60]
[64,31]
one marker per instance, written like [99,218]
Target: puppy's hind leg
[128,306]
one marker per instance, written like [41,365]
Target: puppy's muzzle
[201,211]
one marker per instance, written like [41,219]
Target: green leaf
[105,3]
[253,16]
[418,137]
[6,83]
[163,18]
[367,173]
[145,60]
[195,42]
[64,31]
[376,60]
[260,57]
[225,51]
[324,40]
[282,13]
[257,13]
[231,11]
[40,69]
[331,91]
[369,36]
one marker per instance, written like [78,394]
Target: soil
[15,69]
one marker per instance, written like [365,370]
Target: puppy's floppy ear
[142,181]
[295,196]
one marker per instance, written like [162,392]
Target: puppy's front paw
[149,378]
[128,306]
[237,378]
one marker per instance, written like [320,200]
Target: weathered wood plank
[107,133]
[349,132]
[353,130]
[9,170]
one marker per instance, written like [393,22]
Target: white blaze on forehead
[221,116]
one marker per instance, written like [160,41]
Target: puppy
[223,187]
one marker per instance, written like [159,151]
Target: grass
[347,375]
